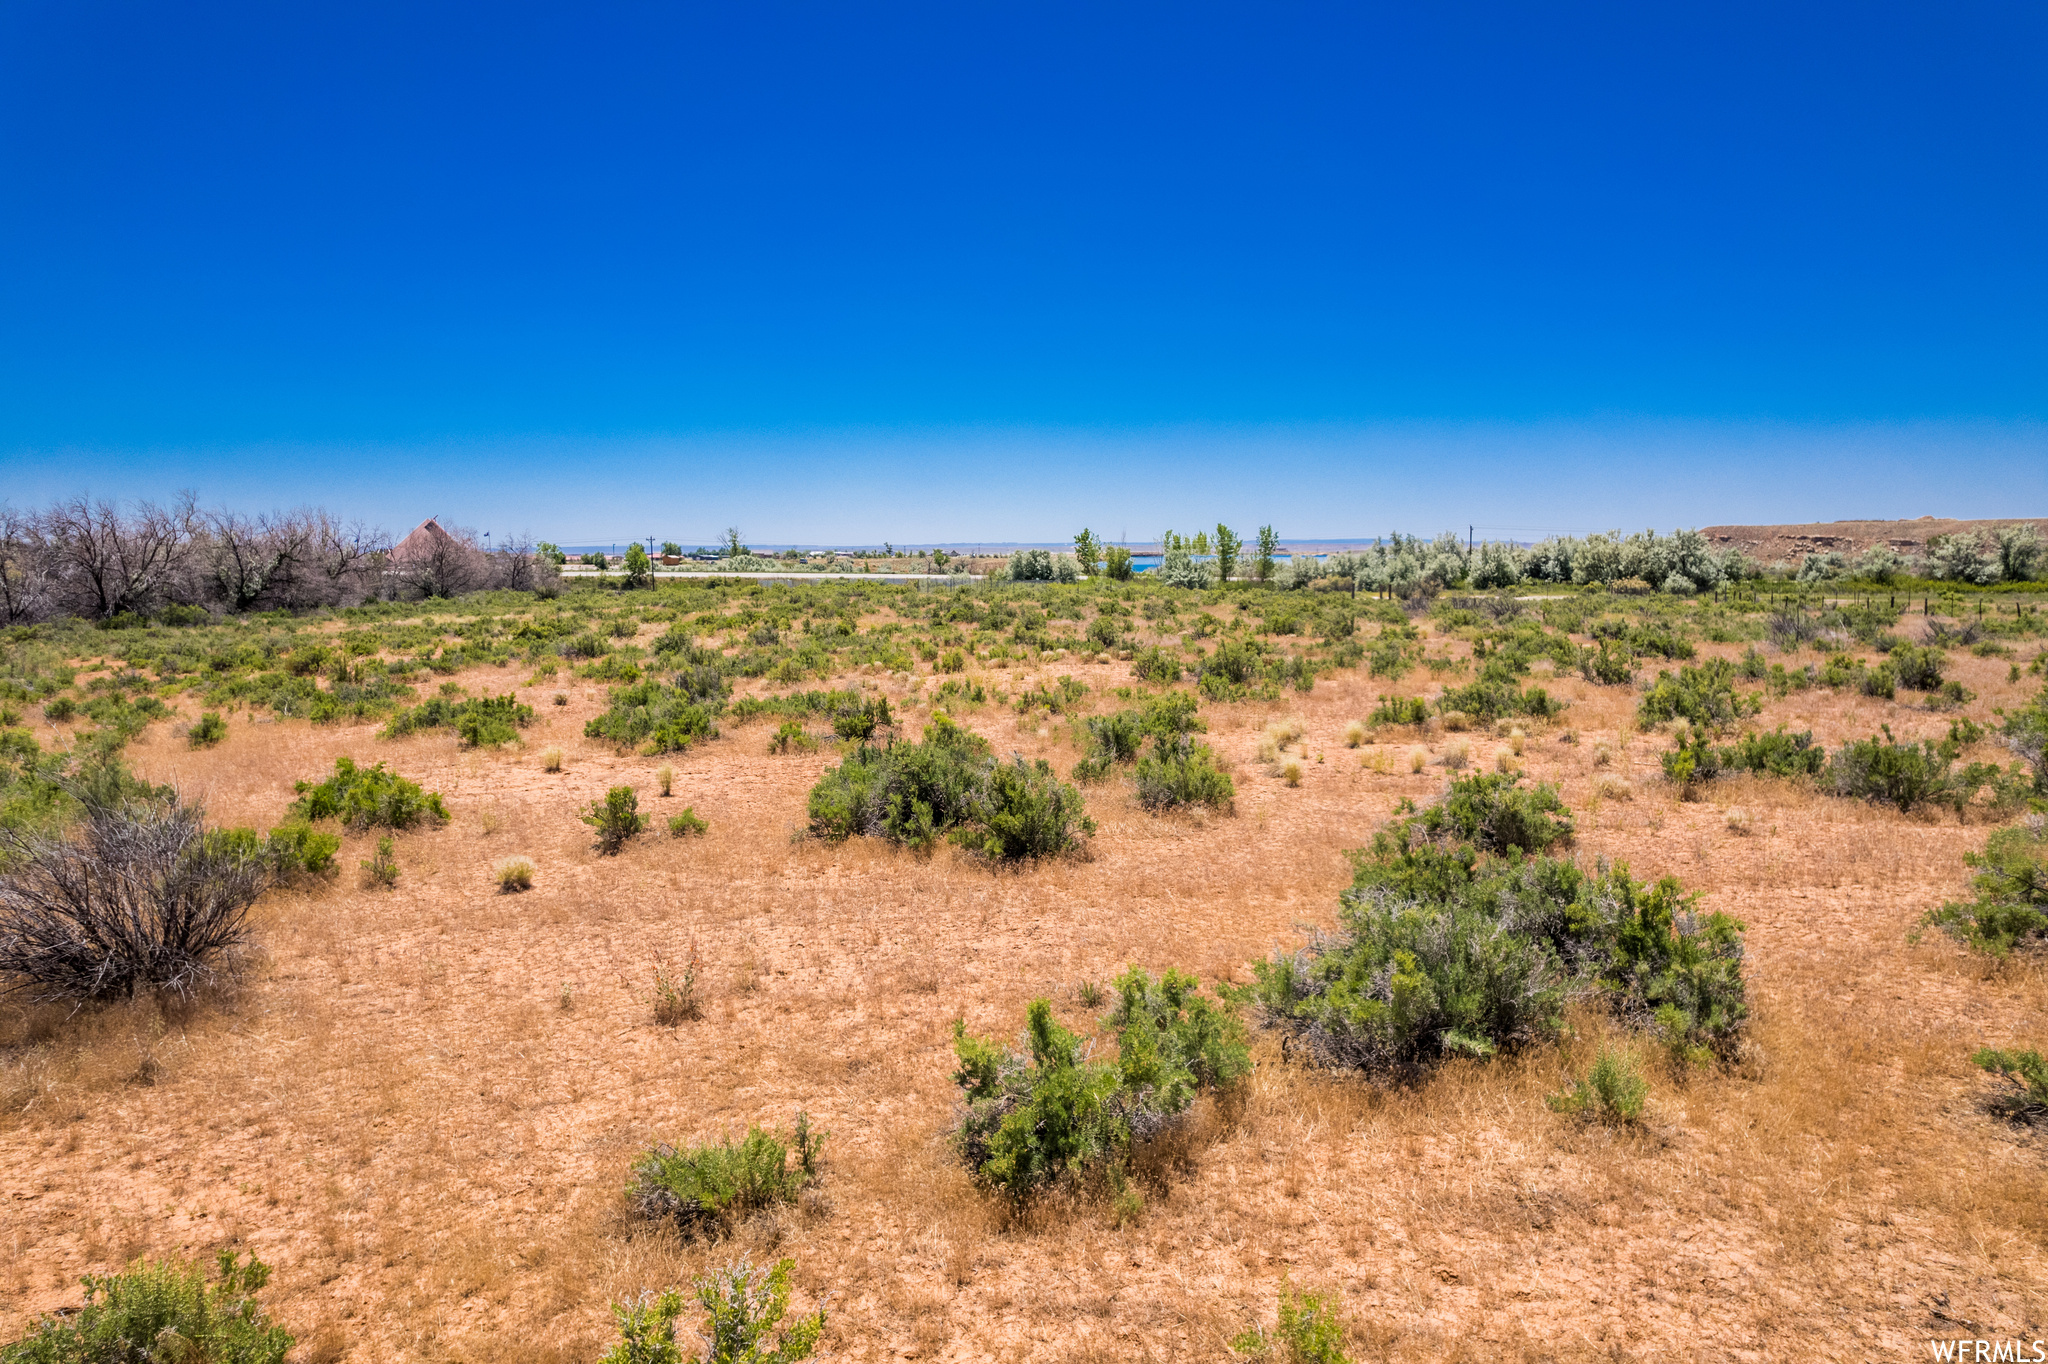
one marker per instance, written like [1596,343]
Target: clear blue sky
[972,271]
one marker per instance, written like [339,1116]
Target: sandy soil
[422,1106]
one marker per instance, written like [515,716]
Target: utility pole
[1468,541]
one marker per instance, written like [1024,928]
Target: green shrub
[1156,665]
[616,818]
[514,876]
[368,797]
[1493,695]
[659,717]
[1037,1117]
[1179,773]
[1399,710]
[2027,1073]
[687,824]
[1901,774]
[1115,739]
[948,786]
[1494,813]
[60,710]
[1918,668]
[696,1186]
[789,737]
[1703,695]
[297,848]
[208,730]
[1118,565]
[1609,664]
[1058,698]
[2011,907]
[861,720]
[746,1308]
[647,1329]
[1027,813]
[162,1310]
[381,867]
[1309,1331]
[1776,753]
[1449,947]
[2025,732]
[1613,1092]
[480,722]
[1950,695]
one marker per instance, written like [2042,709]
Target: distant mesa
[1776,544]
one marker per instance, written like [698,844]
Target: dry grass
[422,1105]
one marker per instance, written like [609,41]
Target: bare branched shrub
[136,898]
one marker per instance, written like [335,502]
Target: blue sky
[957,272]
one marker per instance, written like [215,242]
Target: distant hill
[1771,544]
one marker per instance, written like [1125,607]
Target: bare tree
[28,569]
[519,565]
[295,580]
[121,563]
[241,556]
[350,556]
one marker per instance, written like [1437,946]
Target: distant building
[426,542]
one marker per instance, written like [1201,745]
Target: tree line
[104,560]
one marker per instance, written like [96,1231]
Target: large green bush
[479,722]
[1494,694]
[1494,813]
[696,1186]
[1923,772]
[368,797]
[1180,772]
[1773,753]
[657,717]
[1049,1112]
[1455,941]
[949,786]
[1176,772]
[162,1310]
[1703,695]
[2011,905]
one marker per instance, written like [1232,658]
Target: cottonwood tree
[121,562]
[1227,547]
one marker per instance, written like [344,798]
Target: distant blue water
[1145,563]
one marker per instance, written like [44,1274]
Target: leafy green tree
[1227,547]
[552,553]
[1269,543]
[1117,565]
[735,543]
[639,568]
[671,550]
[1087,551]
